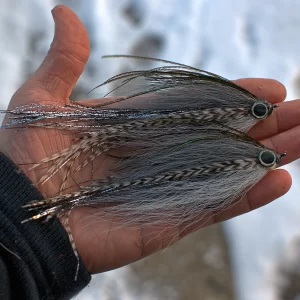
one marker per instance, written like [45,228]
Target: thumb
[64,63]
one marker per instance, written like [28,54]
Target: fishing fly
[172,91]
[198,169]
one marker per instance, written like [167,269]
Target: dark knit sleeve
[36,260]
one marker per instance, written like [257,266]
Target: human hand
[100,248]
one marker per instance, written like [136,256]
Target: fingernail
[52,10]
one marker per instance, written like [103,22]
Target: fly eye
[267,158]
[259,110]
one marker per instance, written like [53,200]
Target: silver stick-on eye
[259,110]
[267,158]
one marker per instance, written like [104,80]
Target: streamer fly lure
[171,91]
[173,173]
[177,177]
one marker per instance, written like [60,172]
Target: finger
[283,118]
[278,182]
[64,63]
[267,89]
[288,141]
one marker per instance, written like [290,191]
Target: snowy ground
[234,38]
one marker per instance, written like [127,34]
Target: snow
[234,38]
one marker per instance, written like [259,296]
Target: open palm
[100,248]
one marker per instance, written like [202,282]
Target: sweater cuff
[44,247]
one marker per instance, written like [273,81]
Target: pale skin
[100,248]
